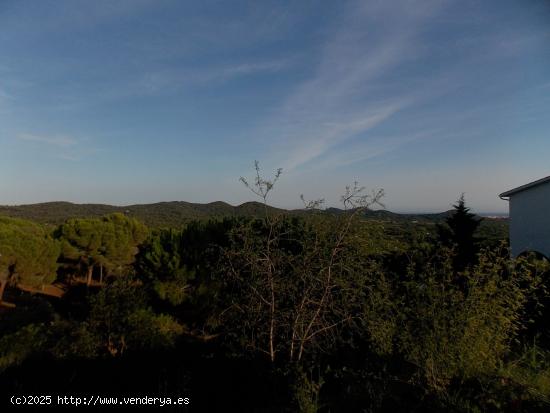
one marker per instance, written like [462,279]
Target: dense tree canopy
[109,244]
[162,264]
[310,312]
[179,266]
[28,255]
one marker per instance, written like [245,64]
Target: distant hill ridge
[176,213]
[156,214]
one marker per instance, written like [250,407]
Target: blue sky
[138,101]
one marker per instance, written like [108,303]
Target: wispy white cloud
[68,157]
[340,99]
[373,147]
[320,136]
[175,79]
[57,140]
[170,80]
[5,98]
[252,68]
[61,146]
[65,15]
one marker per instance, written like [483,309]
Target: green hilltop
[179,213]
[160,214]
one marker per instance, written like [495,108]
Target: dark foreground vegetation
[310,312]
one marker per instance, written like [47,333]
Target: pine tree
[459,232]
[162,265]
[28,255]
[108,244]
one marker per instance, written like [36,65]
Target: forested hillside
[271,310]
[178,213]
[162,214]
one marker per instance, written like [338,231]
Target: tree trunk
[89,276]
[2,288]
[3,285]
[101,274]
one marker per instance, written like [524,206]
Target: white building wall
[530,220]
